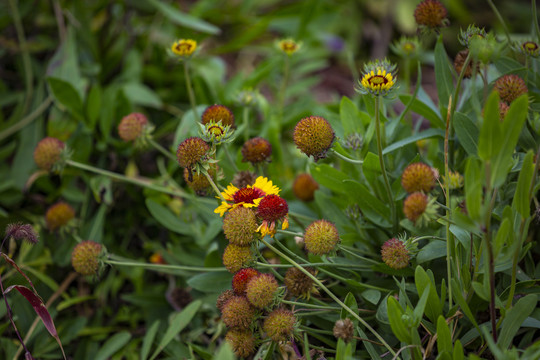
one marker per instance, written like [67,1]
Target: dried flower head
[459,61]
[241,278]
[58,215]
[304,187]
[184,47]
[272,209]
[279,325]
[240,226]
[299,284]
[378,78]
[217,113]
[431,15]
[223,298]
[321,237]
[244,178]
[472,32]
[395,254]
[510,87]
[85,257]
[236,257]
[242,342]
[238,313]
[191,151]
[260,290]
[47,153]
[314,136]
[344,329]
[256,150]
[418,177]
[530,48]
[132,126]
[288,46]
[20,231]
[249,196]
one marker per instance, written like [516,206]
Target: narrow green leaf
[491,137]
[211,282]
[474,181]
[141,94]
[149,340]
[349,115]
[423,110]
[444,337]
[424,283]
[413,139]
[460,300]
[501,237]
[66,95]
[514,318]
[74,301]
[178,323]
[443,76]
[111,346]
[180,18]
[434,250]
[521,201]
[225,352]
[421,306]
[373,208]
[458,353]
[466,132]
[93,105]
[168,219]
[329,177]
[395,312]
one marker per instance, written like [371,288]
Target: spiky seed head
[242,342]
[314,136]
[256,150]
[304,187]
[240,226]
[48,152]
[58,215]
[216,113]
[272,208]
[244,178]
[510,87]
[241,278]
[132,126]
[459,61]
[236,257]
[238,313]
[198,182]
[223,298]
[395,254]
[85,257]
[297,283]
[344,329]
[415,205]
[191,151]
[20,231]
[418,177]
[431,14]
[260,290]
[321,237]
[279,325]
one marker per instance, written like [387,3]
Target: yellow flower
[249,196]
[184,47]
[288,46]
[378,78]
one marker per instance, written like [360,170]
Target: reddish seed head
[314,136]
[85,257]
[431,14]
[215,113]
[272,208]
[395,254]
[418,177]
[59,215]
[304,187]
[415,205]
[510,87]
[47,153]
[241,278]
[191,151]
[132,126]
[19,231]
[256,150]
[247,195]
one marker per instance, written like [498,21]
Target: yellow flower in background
[288,46]
[184,47]
[249,196]
[378,78]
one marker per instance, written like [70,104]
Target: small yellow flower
[455,180]
[378,78]
[249,196]
[184,47]
[530,48]
[289,46]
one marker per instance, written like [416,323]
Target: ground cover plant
[269,180]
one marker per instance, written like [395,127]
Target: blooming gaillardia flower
[344,329]
[314,136]
[418,177]
[48,153]
[510,87]
[279,325]
[236,257]
[395,254]
[242,342]
[378,78]
[272,208]
[132,126]
[321,237]
[217,113]
[249,196]
[240,226]
[304,187]
[260,290]
[256,151]
[85,257]
[431,15]
[238,313]
[184,47]
[59,215]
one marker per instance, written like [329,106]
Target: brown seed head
[47,152]
[59,215]
[279,325]
[238,313]
[223,298]
[418,177]
[215,113]
[132,126]
[240,226]
[395,254]
[344,329]
[242,342]
[314,136]
[414,205]
[85,257]
[191,151]
[321,237]
[297,283]
[244,178]
[20,231]
[459,61]
[236,257]
[256,150]
[431,14]
[304,187]
[510,87]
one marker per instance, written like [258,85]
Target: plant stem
[283,88]
[343,157]
[229,157]
[326,290]
[162,150]
[449,239]
[213,184]
[289,232]
[498,14]
[313,306]
[189,88]
[357,256]
[158,267]
[383,168]
[245,121]
[489,247]
[27,119]
[535,20]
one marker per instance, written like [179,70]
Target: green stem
[449,240]
[229,157]
[383,168]
[489,248]
[289,232]
[27,119]
[326,290]
[535,20]
[158,267]
[358,256]
[245,121]
[189,88]
[162,150]
[286,266]
[213,184]
[498,14]
[283,88]
[312,306]
[343,157]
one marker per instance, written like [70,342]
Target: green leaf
[424,110]
[111,346]
[74,301]
[460,300]
[395,312]
[458,351]
[211,282]
[434,250]
[466,132]
[66,95]
[421,306]
[168,219]
[225,352]
[424,283]
[514,318]
[373,209]
[180,18]
[93,105]
[141,94]
[413,139]
[491,137]
[178,323]
[474,182]
[349,115]
[149,340]
[521,202]
[371,295]
[444,337]
[443,76]
[329,177]
[501,237]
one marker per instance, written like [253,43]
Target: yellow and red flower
[249,196]
[272,209]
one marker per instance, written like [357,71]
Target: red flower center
[272,208]
[378,80]
[247,195]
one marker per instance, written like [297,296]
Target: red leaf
[12,263]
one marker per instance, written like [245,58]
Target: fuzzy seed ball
[199,183]
[215,113]
[59,215]
[272,208]
[132,126]
[414,205]
[297,283]
[418,177]
[321,237]
[244,178]
[191,151]
[236,257]
[304,187]
[242,342]
[20,231]
[84,257]
[240,226]
[223,298]
[256,150]
[395,254]
[314,136]
[238,313]
[510,87]
[279,325]
[260,290]
[47,152]
[344,329]
[241,278]
[431,14]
